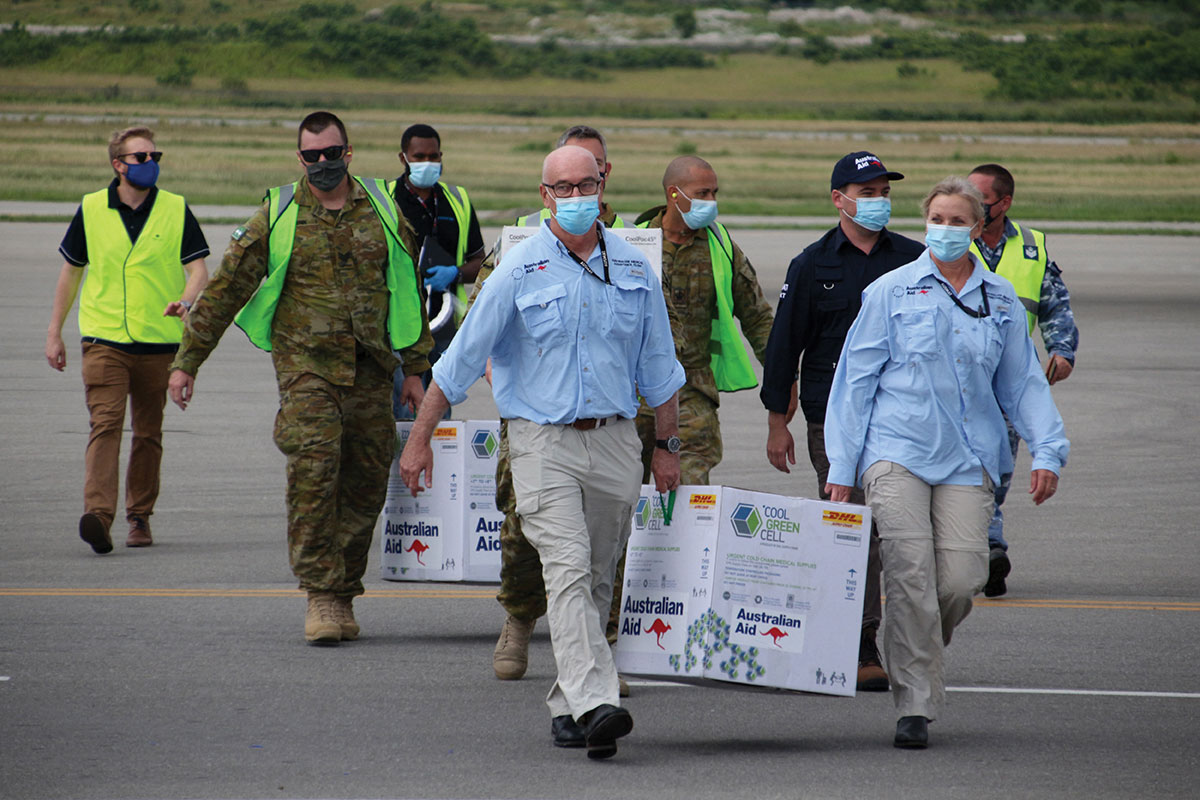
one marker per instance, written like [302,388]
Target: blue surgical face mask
[423,174]
[577,215]
[143,175]
[871,213]
[947,242]
[702,214]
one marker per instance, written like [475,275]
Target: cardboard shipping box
[452,531]
[744,588]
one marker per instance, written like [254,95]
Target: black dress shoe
[912,732]
[94,531]
[602,726]
[998,568]
[566,732]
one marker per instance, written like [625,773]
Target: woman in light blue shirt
[938,353]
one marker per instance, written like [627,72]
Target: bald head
[680,170]
[569,163]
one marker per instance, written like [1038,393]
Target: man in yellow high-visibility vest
[144,253]
[321,276]
[449,245]
[1019,253]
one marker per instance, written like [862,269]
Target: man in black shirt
[449,243]
[144,254]
[818,302]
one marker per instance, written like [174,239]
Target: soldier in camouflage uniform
[522,590]
[691,290]
[332,334]
[1055,320]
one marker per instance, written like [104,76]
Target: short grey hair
[955,185]
[583,132]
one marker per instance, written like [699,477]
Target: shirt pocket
[626,301]
[994,330]
[918,333]
[541,312]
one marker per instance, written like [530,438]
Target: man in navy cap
[819,300]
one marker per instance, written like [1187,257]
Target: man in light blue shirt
[576,326]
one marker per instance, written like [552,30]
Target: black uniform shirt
[819,300]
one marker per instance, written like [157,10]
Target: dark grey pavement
[180,671]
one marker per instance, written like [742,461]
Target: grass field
[229,155]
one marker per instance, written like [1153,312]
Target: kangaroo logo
[420,547]
[775,635]
[658,628]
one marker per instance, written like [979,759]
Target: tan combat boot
[343,611]
[511,656]
[321,625]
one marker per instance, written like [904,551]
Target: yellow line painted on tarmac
[487,592]
[414,591]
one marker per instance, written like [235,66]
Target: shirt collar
[115,201]
[305,197]
[924,268]
[840,240]
[553,242]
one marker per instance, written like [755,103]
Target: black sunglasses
[331,153]
[141,157]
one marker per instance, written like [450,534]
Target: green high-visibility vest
[1025,268]
[404,302]
[460,206]
[534,220]
[727,355]
[130,283]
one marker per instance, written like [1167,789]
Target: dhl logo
[703,500]
[843,518]
[445,432]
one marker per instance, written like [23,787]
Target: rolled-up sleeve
[464,360]
[864,355]
[658,372]
[1023,393]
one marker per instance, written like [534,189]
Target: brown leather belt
[591,424]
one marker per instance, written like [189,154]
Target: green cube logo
[484,444]
[746,520]
[641,515]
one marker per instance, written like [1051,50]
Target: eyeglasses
[331,153]
[587,186]
[141,157]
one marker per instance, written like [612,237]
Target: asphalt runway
[180,671]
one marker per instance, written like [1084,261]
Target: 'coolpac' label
[767,630]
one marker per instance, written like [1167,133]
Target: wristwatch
[671,444]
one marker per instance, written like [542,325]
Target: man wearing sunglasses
[449,244]
[144,253]
[576,327]
[338,300]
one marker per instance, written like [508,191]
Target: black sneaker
[998,568]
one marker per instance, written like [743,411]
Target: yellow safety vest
[460,206]
[1024,267]
[130,283]
[730,365]
[404,302]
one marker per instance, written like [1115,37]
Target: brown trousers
[111,378]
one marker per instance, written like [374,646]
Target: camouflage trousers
[338,441]
[522,590]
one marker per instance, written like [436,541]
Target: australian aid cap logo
[767,523]
[653,623]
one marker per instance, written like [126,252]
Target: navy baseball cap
[860,167]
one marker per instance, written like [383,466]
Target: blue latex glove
[439,278]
